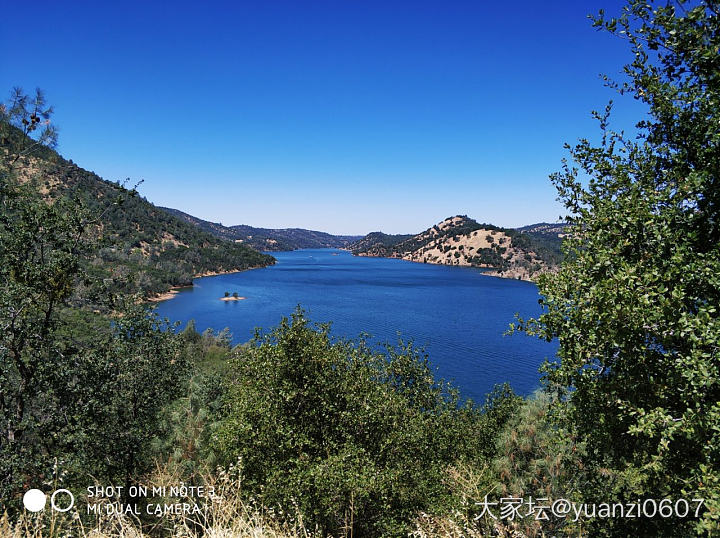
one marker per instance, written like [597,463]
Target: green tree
[41,249]
[121,387]
[358,441]
[635,305]
[82,400]
[25,127]
[534,459]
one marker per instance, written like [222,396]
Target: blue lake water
[458,314]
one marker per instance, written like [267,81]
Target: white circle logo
[34,500]
[70,504]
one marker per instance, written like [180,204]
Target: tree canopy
[635,304]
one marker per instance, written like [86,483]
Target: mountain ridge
[268,239]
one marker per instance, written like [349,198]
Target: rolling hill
[141,248]
[459,240]
[267,239]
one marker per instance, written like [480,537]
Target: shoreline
[174,290]
[218,273]
[509,274]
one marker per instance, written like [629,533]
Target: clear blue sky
[343,116]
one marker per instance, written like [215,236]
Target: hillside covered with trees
[267,239]
[462,241]
[140,247]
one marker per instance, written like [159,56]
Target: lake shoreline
[458,316]
[174,290]
[508,274]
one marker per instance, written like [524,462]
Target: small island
[233,297]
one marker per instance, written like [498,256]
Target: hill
[268,239]
[142,248]
[462,241]
[551,231]
[377,244]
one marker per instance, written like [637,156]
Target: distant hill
[377,244]
[142,248]
[552,231]
[462,241]
[267,239]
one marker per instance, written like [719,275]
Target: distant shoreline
[174,290]
[507,274]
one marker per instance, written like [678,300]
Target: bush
[357,440]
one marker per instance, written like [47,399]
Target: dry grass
[223,515]
[471,485]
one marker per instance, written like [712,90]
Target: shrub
[357,440]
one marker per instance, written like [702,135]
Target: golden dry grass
[223,515]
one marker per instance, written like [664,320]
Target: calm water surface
[458,314]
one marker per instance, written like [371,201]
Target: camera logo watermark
[35,500]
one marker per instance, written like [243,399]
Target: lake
[458,314]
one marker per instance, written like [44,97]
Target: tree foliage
[74,394]
[121,386]
[635,305]
[31,117]
[357,440]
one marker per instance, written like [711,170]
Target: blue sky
[342,116]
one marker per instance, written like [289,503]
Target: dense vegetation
[335,438]
[349,434]
[141,248]
[377,242]
[266,239]
[636,306]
